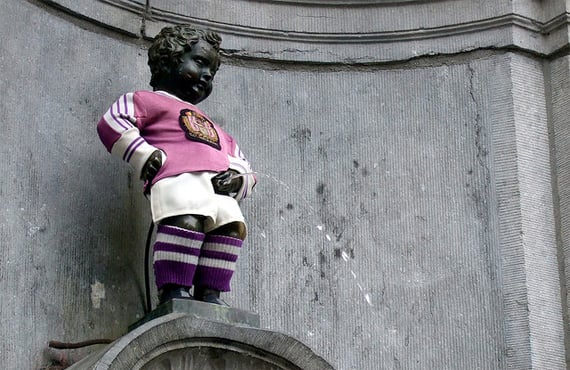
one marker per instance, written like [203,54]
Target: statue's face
[192,79]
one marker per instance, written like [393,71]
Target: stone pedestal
[201,310]
[188,335]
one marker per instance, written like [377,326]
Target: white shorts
[193,194]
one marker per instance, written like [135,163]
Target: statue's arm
[227,183]
[119,131]
[240,165]
[152,166]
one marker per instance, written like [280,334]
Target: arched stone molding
[355,32]
[180,341]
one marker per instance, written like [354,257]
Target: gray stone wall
[558,79]
[72,225]
[411,211]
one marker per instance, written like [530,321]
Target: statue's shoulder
[150,99]
[146,94]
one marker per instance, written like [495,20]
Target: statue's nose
[207,75]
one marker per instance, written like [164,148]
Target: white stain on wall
[97,293]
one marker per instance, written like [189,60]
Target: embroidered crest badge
[199,128]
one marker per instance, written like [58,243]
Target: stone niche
[497,301]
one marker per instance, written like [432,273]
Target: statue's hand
[224,183]
[151,167]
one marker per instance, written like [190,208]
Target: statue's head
[183,61]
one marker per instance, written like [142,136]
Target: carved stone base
[184,335]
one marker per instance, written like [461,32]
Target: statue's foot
[209,296]
[172,291]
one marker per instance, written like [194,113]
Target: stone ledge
[325,32]
[179,341]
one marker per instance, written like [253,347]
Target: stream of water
[320,227]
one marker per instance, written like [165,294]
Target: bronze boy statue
[190,166]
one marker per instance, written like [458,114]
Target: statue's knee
[188,222]
[235,230]
[236,234]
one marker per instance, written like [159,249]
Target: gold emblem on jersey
[199,128]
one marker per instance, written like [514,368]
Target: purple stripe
[168,247]
[126,105]
[128,150]
[213,278]
[120,122]
[139,143]
[220,256]
[221,239]
[243,169]
[178,231]
[171,272]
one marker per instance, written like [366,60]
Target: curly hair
[171,43]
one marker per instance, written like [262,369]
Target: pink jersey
[139,123]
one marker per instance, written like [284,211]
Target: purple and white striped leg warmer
[217,262]
[176,252]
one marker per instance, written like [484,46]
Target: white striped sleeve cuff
[242,166]
[133,149]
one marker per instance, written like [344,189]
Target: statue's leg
[176,252]
[217,262]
